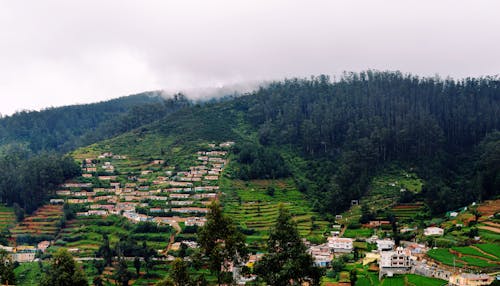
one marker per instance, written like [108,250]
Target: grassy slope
[250,205]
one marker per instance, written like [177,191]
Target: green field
[444,256]
[28,274]
[7,217]
[360,232]
[492,249]
[469,257]
[86,234]
[418,280]
[250,205]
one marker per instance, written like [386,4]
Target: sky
[55,53]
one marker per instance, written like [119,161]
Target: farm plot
[470,256]
[7,217]
[255,208]
[42,225]
[86,234]
[405,211]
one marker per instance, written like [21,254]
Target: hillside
[65,128]
[335,136]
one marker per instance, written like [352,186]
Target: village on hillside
[156,192]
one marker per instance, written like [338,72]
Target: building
[399,258]
[385,244]
[433,231]
[395,262]
[340,244]
[470,279]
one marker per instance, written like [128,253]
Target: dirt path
[483,252]
[490,228]
[490,223]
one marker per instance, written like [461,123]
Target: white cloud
[63,52]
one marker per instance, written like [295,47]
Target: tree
[179,273]
[7,275]
[123,275]
[99,265]
[221,242]
[105,250]
[97,281]
[63,271]
[287,259]
[353,276]
[137,265]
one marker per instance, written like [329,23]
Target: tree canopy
[286,261]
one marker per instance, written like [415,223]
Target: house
[377,223]
[192,221]
[87,175]
[340,244]
[179,196]
[56,201]
[433,231]
[43,245]
[385,244]
[63,193]
[321,254]
[226,144]
[98,212]
[24,254]
[470,279]
[399,258]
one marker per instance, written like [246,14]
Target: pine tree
[287,260]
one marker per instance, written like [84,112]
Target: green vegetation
[491,249]
[28,274]
[63,271]
[281,264]
[255,210]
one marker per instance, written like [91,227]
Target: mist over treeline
[345,129]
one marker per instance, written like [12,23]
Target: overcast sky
[55,53]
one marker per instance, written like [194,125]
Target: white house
[385,244]
[399,258]
[340,244]
[433,231]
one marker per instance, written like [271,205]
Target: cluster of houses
[25,253]
[156,193]
[389,259]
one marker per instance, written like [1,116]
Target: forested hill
[331,137]
[348,129]
[65,128]
[367,120]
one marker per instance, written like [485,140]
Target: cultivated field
[255,209]
[43,224]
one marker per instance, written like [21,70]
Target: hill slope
[334,136]
[68,127]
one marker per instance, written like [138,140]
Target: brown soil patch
[489,208]
[490,228]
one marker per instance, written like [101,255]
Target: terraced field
[255,209]
[86,234]
[7,217]
[43,223]
[405,211]
[476,256]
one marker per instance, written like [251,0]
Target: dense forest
[65,128]
[27,179]
[343,131]
[351,127]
